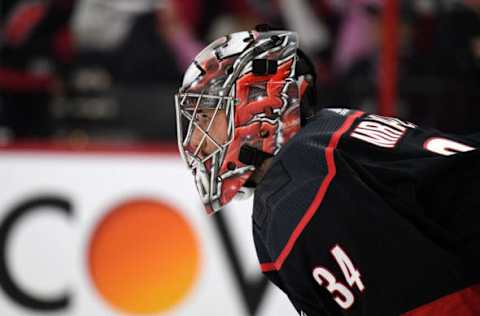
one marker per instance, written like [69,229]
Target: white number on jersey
[351,274]
[445,147]
[341,294]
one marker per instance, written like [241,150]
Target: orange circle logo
[144,257]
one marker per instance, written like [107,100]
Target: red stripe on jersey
[465,303]
[312,209]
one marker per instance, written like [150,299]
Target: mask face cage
[197,115]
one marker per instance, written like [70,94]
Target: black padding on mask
[252,156]
[262,67]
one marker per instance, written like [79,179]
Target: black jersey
[361,214]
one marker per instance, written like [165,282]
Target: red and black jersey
[361,214]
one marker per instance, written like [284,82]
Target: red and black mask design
[240,90]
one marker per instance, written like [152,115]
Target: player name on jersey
[381,131]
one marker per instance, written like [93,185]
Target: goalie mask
[239,103]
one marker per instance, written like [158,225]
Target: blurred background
[106,70]
[87,134]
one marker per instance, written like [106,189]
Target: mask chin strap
[252,156]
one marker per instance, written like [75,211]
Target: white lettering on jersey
[392,121]
[341,294]
[381,131]
[377,134]
[445,147]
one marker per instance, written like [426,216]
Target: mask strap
[252,156]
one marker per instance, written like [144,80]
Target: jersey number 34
[341,293]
